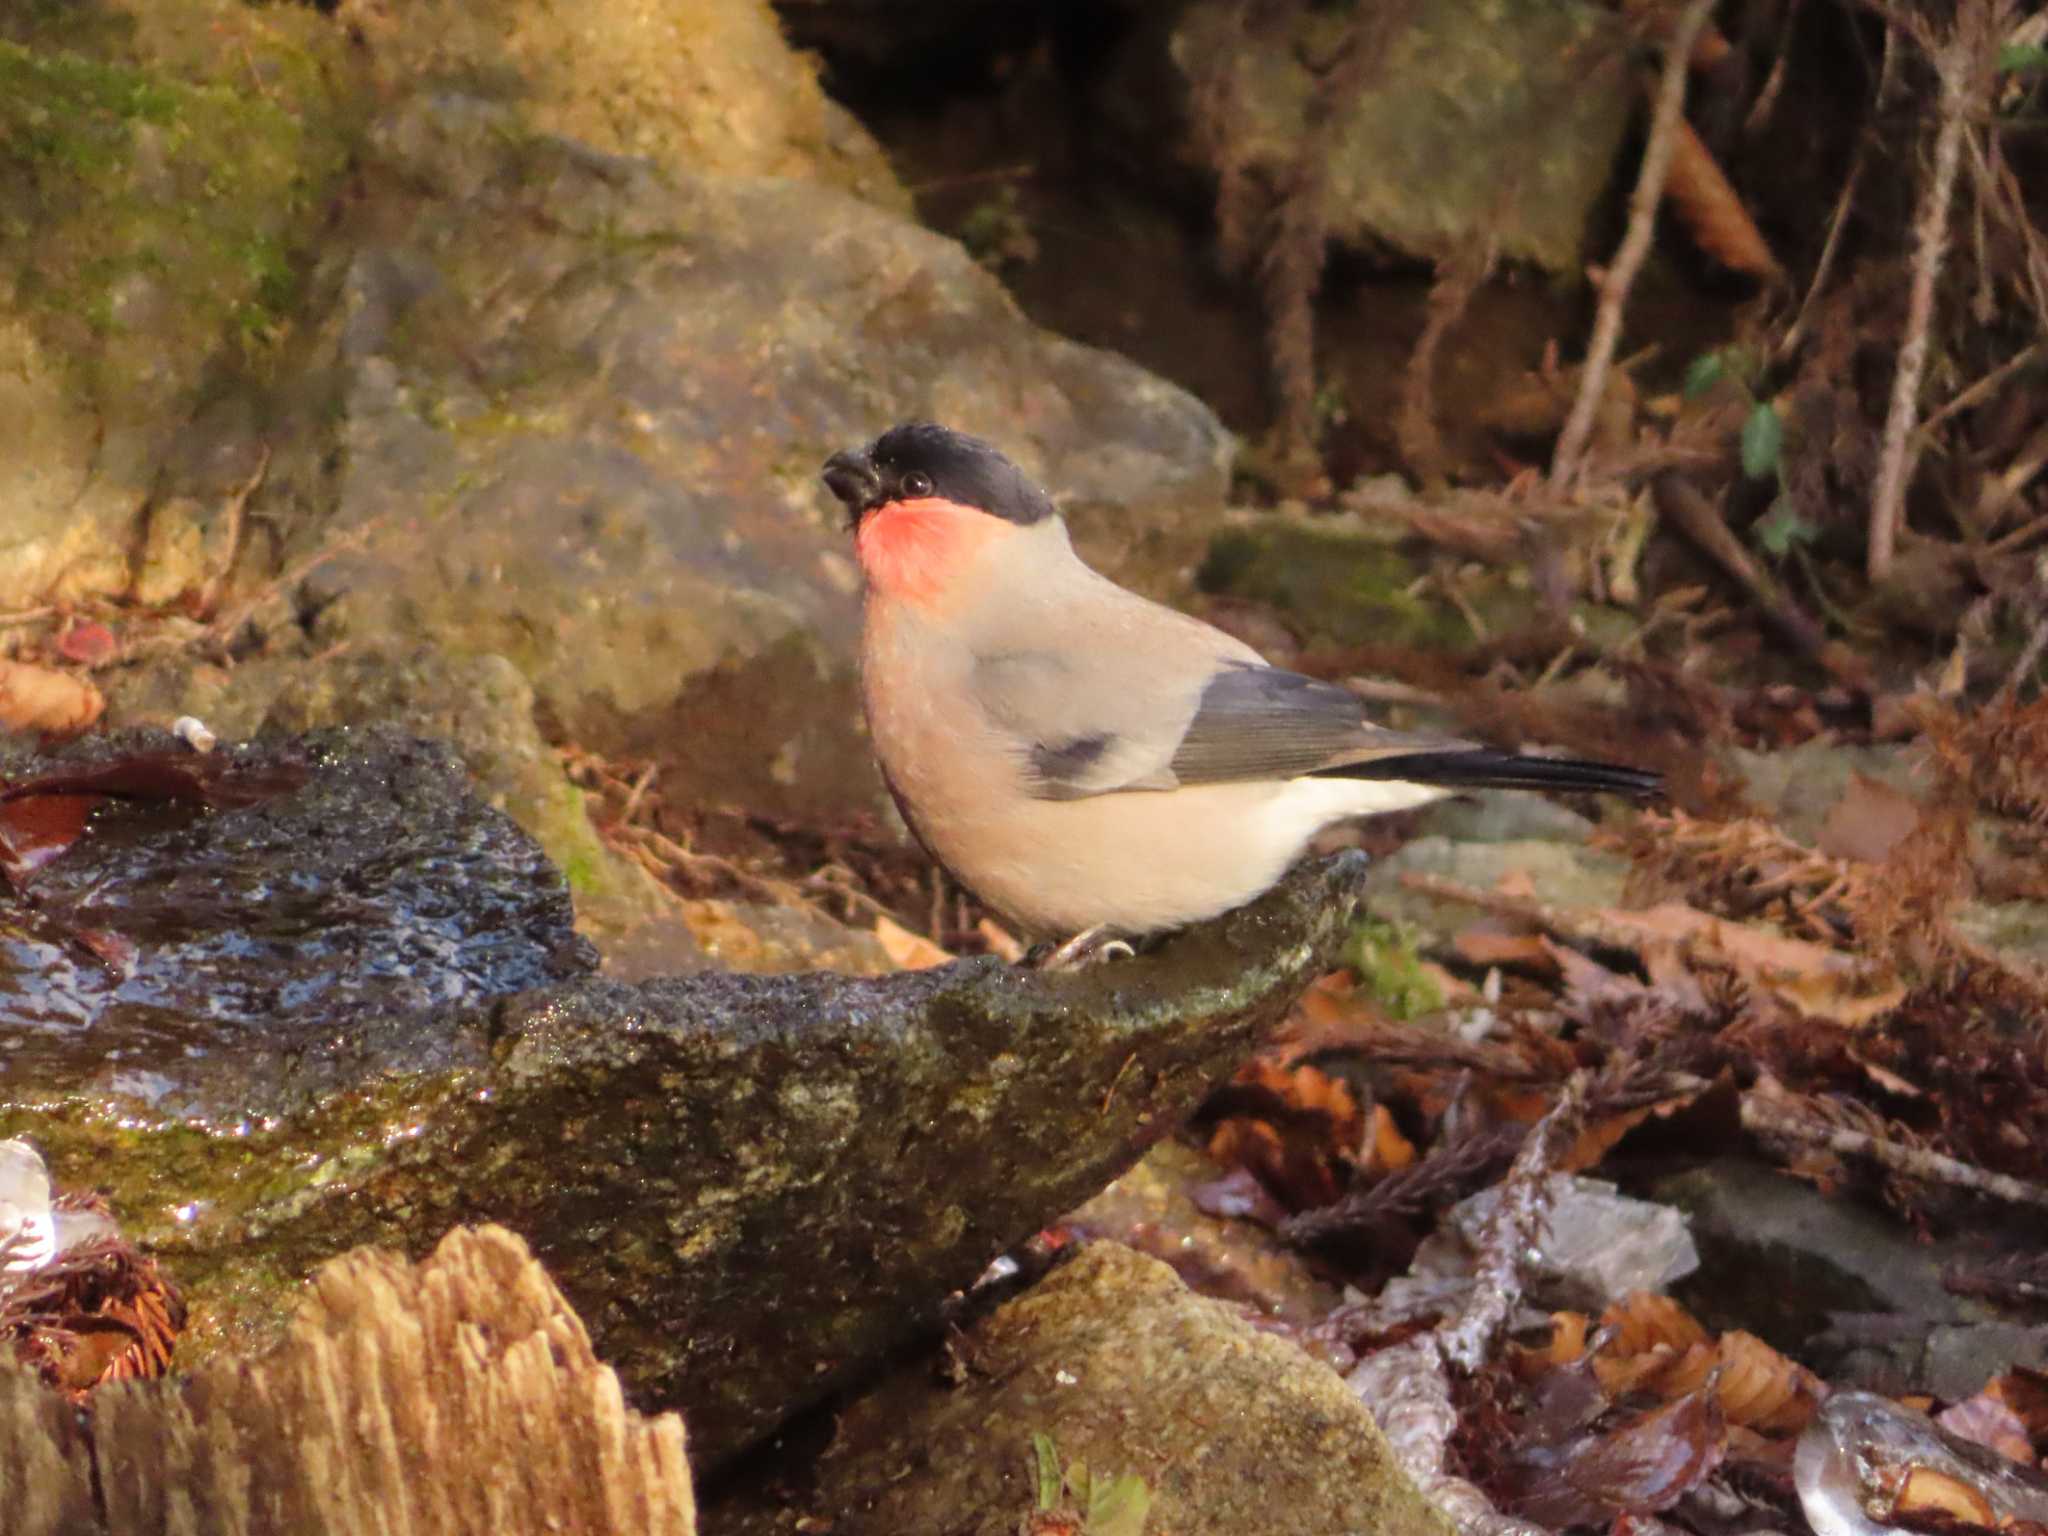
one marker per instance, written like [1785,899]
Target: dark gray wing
[1079,729]
[1266,723]
[1262,723]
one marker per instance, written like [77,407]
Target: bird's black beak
[852,478]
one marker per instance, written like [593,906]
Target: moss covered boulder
[288,999]
[158,198]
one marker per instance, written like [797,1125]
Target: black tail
[1479,768]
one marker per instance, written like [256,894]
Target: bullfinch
[1086,761]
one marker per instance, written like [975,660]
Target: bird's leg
[1087,945]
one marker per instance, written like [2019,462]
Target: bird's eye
[916,484]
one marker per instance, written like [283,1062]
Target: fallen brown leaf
[34,829]
[1640,1467]
[907,951]
[36,698]
[1708,205]
[1483,946]
[1928,1492]
[1762,1389]
[1990,1421]
[1002,943]
[1298,1130]
[1643,1319]
[89,642]
[1868,822]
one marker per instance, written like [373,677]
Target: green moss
[581,872]
[192,1191]
[1384,956]
[1343,587]
[159,218]
[133,175]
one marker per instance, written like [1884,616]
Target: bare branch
[1776,1116]
[1956,66]
[1565,463]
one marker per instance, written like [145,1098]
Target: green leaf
[1117,1507]
[1046,1456]
[1078,1482]
[1763,437]
[1706,370]
[2023,59]
[1782,527]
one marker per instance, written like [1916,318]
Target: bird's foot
[1084,948]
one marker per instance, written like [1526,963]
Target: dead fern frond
[1998,755]
[1740,869]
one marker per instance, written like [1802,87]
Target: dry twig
[238,503]
[1776,1116]
[1699,520]
[1511,1232]
[1957,64]
[1565,464]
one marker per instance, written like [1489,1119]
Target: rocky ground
[433,789]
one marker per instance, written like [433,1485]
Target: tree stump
[457,1395]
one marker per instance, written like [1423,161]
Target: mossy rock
[355,1012]
[154,223]
[1339,585]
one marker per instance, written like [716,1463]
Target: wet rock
[1344,580]
[1856,1457]
[765,938]
[1500,117]
[1504,816]
[751,1187]
[1596,1245]
[224,960]
[1341,581]
[480,705]
[483,706]
[1799,787]
[1125,1371]
[1785,1254]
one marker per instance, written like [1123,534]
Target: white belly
[1142,861]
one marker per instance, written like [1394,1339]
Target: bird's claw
[1085,948]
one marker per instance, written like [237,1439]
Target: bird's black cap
[922,458]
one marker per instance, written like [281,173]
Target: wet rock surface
[1126,1371]
[292,918]
[481,706]
[751,1188]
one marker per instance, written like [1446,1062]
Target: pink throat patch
[913,550]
